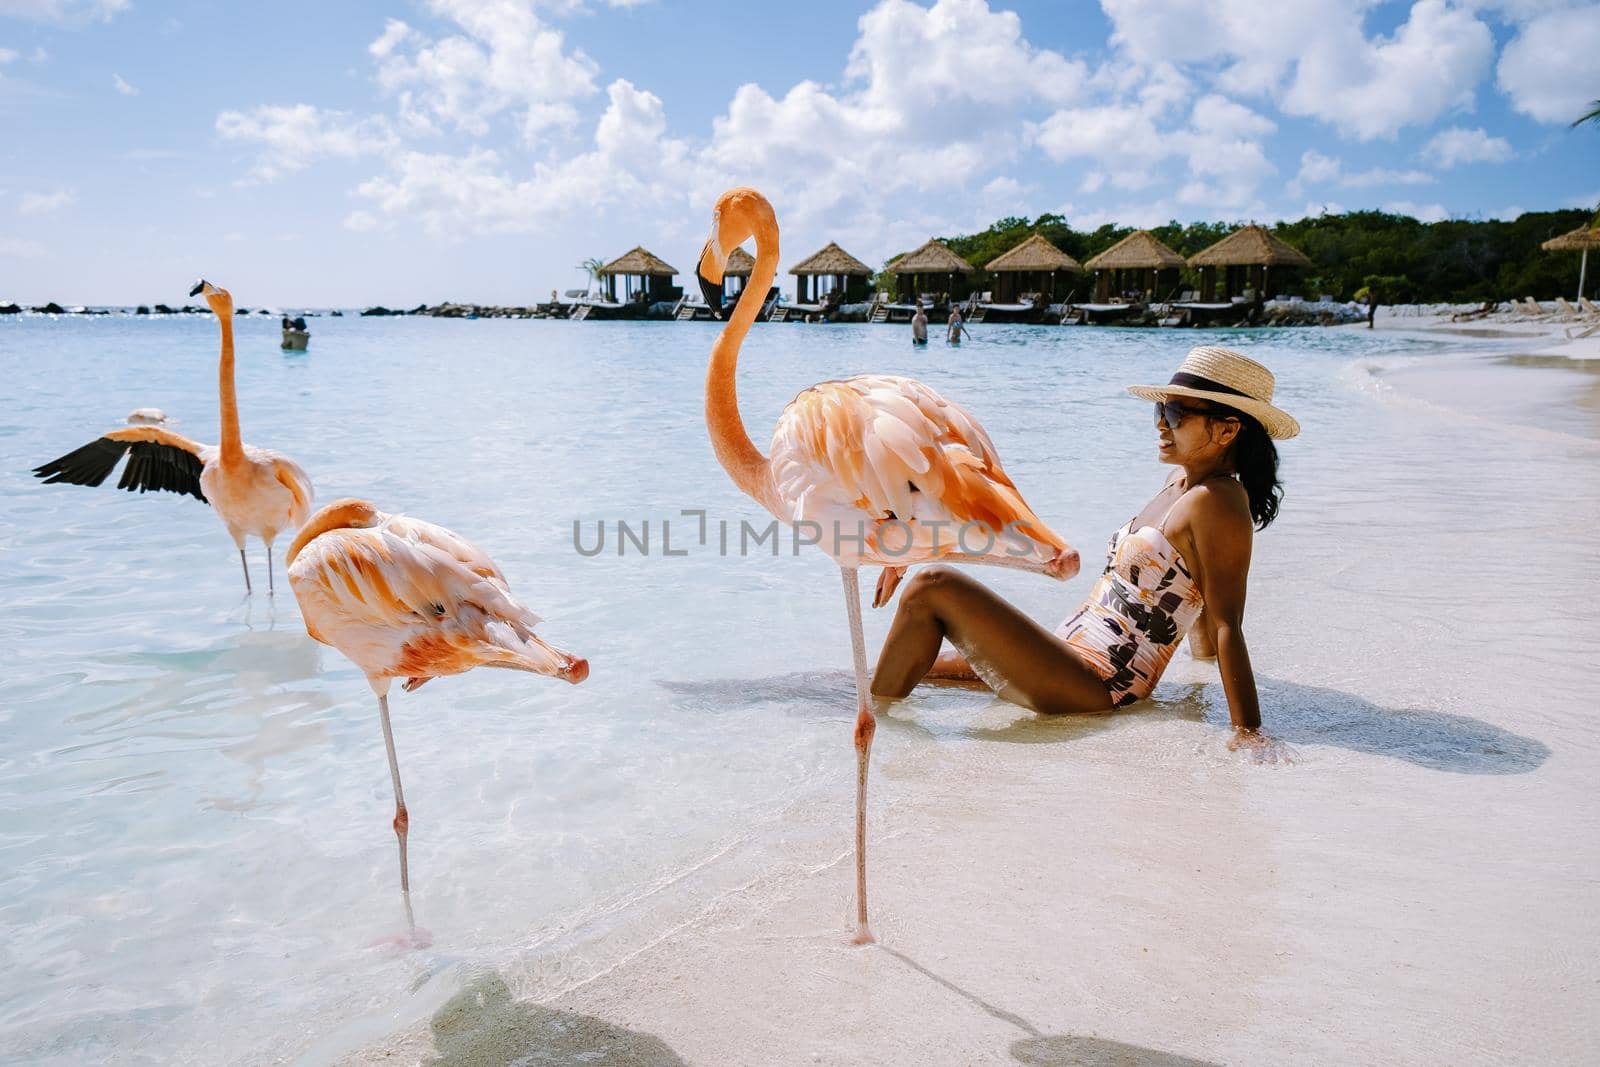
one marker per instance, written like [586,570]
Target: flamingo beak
[199,287]
[709,272]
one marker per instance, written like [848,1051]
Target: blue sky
[422,150]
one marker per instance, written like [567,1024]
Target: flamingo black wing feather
[151,466]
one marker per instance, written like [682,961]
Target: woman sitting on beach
[1178,567]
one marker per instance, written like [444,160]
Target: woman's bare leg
[943,603]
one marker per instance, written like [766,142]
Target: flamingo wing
[293,478]
[157,460]
[877,449]
[399,602]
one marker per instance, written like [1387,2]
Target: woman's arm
[1222,532]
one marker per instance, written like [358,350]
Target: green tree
[591,267]
[1593,114]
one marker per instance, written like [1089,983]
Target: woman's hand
[1262,748]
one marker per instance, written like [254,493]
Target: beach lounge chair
[1583,329]
[1589,305]
[1568,312]
[1533,309]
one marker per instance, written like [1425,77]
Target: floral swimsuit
[1136,614]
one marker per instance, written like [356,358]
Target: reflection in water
[483,1026]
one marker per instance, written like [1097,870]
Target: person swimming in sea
[1178,568]
[919,325]
[955,327]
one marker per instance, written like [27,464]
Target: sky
[349,152]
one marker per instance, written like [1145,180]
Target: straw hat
[1226,377]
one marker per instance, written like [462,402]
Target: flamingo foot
[888,582]
[413,684]
[409,940]
[863,936]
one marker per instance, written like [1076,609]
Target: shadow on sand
[1057,1050]
[1302,715]
[484,1025]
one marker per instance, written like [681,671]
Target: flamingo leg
[402,821]
[866,725]
[270,590]
[246,565]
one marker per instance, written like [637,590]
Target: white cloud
[452,196]
[1456,145]
[1548,69]
[506,59]
[123,87]
[62,11]
[1420,212]
[1314,58]
[1430,66]
[1318,169]
[361,221]
[20,248]
[8,55]
[293,136]
[44,203]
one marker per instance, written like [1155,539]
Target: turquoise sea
[195,852]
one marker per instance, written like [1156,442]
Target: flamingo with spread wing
[254,491]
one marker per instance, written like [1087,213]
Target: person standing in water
[919,325]
[956,327]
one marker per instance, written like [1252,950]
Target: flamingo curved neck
[232,446]
[738,454]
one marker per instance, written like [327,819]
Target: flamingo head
[540,657]
[739,214]
[219,300]
[345,514]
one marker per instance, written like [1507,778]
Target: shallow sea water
[195,853]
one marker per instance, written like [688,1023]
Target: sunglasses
[1171,414]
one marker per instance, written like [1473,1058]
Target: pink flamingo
[402,598]
[888,469]
[254,491]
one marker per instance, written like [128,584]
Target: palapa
[1585,238]
[1137,251]
[1250,246]
[831,259]
[741,264]
[638,261]
[1034,254]
[931,258]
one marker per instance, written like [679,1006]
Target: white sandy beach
[1418,888]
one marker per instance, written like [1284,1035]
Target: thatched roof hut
[924,269]
[1585,239]
[639,261]
[1250,246]
[1137,263]
[1247,257]
[646,276]
[1034,254]
[843,272]
[831,259]
[1031,267]
[741,264]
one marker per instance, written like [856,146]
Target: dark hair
[1255,461]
